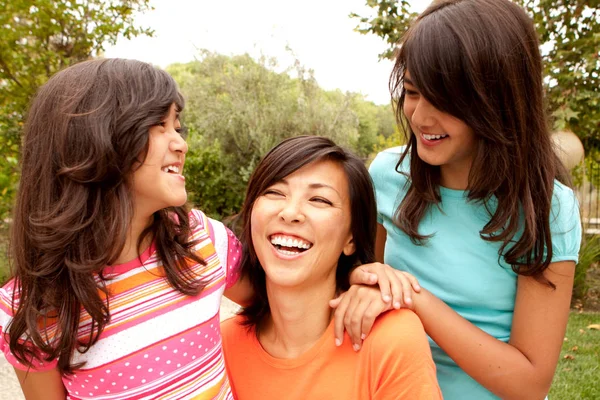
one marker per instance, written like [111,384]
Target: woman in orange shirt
[309,217]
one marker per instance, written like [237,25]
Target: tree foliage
[569,31]
[40,37]
[238,108]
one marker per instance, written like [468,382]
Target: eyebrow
[407,80]
[315,186]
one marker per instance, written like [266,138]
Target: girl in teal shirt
[473,206]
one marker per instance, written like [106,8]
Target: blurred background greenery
[238,107]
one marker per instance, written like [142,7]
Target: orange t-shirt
[394,363]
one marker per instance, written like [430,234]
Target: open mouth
[171,169]
[434,137]
[290,245]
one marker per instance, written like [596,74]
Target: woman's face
[442,139]
[301,225]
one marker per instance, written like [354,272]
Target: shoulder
[387,176]
[565,224]
[398,342]
[235,336]
[564,202]
[397,324]
[233,329]
[385,161]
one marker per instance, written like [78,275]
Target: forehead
[324,172]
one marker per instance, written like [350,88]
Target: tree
[569,32]
[238,108]
[40,37]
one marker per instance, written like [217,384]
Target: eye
[183,131]
[321,200]
[272,192]
[410,92]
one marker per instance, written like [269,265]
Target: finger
[413,282]
[353,321]
[396,287]
[374,309]
[338,318]
[384,287]
[407,291]
[334,303]
[362,276]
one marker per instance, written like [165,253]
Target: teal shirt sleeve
[387,181]
[565,224]
[376,169]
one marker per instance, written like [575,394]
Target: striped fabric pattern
[159,344]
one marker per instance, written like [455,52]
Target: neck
[130,249]
[454,176]
[298,318]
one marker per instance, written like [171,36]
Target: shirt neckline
[303,359]
[118,269]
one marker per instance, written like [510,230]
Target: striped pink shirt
[159,343]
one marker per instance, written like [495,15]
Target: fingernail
[338,342]
[397,305]
[356,347]
[386,298]
[408,301]
[418,287]
[363,336]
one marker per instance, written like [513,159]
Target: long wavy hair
[287,157]
[479,61]
[87,131]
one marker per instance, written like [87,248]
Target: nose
[292,212]
[423,115]
[178,144]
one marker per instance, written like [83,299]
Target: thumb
[333,303]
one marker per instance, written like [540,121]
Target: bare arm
[524,367]
[241,292]
[45,385]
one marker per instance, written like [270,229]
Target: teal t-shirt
[459,267]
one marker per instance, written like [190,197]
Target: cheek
[408,108]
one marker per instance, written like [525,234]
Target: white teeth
[434,137]
[289,242]
[171,168]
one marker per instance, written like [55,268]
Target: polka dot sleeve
[228,249]
[234,258]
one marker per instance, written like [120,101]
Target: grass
[578,373]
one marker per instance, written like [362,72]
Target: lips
[289,245]
[432,140]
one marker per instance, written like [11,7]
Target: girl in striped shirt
[117,284]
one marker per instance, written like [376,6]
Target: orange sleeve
[228,333]
[400,359]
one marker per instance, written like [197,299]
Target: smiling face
[301,225]
[158,183]
[441,138]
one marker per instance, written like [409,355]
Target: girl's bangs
[434,57]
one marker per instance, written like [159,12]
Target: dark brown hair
[479,61]
[288,156]
[86,133]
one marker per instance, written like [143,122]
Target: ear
[349,248]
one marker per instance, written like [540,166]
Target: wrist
[420,300]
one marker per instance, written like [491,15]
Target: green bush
[589,253]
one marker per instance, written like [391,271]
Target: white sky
[319,32]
